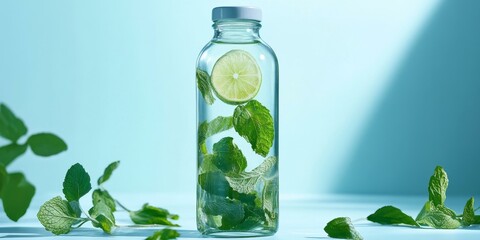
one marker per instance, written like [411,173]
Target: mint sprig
[60,216]
[434,212]
[16,191]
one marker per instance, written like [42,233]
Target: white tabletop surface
[301,217]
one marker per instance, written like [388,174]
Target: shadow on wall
[429,116]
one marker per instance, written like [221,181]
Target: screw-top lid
[250,13]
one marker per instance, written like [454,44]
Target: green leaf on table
[437,187]
[203,84]
[214,183]
[438,219]
[389,215]
[100,195]
[10,152]
[76,183]
[342,227]
[11,127]
[103,214]
[468,217]
[228,157]
[245,182]
[217,125]
[56,216]
[17,193]
[254,123]
[46,144]
[231,211]
[153,215]
[107,173]
[164,234]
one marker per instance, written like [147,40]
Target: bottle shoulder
[214,50]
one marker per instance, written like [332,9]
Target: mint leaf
[207,164]
[164,234]
[11,127]
[438,219]
[389,215]
[17,193]
[153,215]
[430,207]
[104,216]
[446,211]
[46,144]
[437,187]
[100,195]
[245,182]
[56,216]
[3,178]
[427,207]
[342,227]
[254,123]
[108,172]
[248,224]
[10,152]
[255,215]
[270,201]
[203,84]
[75,208]
[217,125]
[469,213]
[76,183]
[214,183]
[228,157]
[231,211]
[477,219]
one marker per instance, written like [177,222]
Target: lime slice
[236,77]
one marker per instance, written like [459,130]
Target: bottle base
[237,234]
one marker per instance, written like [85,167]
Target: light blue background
[373,94]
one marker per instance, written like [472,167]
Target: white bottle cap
[250,13]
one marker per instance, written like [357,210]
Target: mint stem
[121,205]
[83,222]
[88,216]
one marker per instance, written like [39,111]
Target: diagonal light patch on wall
[427,115]
[371,43]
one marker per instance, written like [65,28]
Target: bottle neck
[236,31]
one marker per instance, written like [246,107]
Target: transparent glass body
[236,204]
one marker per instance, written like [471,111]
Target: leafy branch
[60,216]
[433,214]
[16,191]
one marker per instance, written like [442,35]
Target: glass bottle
[237,124]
